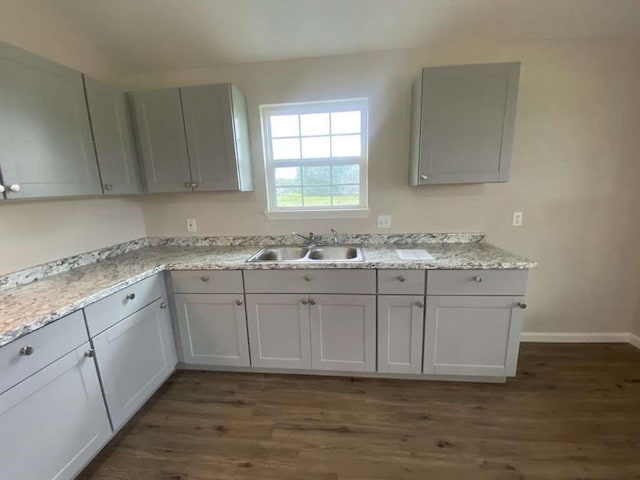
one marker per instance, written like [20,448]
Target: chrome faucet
[334,238]
[312,239]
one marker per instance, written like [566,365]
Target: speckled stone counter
[26,308]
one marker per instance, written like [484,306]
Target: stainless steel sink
[308,254]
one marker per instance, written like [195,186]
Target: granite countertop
[26,308]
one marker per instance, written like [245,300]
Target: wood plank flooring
[573,412]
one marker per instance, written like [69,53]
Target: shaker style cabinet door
[343,332]
[135,356]
[279,331]
[462,123]
[54,422]
[161,140]
[400,333]
[112,133]
[213,329]
[46,148]
[472,335]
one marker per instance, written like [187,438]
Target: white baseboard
[581,337]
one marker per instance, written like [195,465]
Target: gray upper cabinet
[161,140]
[46,148]
[193,139]
[112,134]
[462,123]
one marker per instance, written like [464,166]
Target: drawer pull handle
[312,302]
[90,353]
[402,278]
[204,278]
[305,302]
[522,305]
[239,302]
[419,304]
[163,305]
[307,278]
[26,350]
[131,296]
[478,279]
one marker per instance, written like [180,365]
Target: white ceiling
[139,36]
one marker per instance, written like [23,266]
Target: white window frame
[329,211]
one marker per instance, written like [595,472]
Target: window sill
[318,214]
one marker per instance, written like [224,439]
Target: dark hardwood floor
[572,412]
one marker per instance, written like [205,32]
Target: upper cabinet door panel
[162,143]
[210,137]
[109,112]
[46,148]
[465,126]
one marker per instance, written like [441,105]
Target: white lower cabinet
[54,422]
[343,332]
[279,330]
[213,329]
[400,333]
[135,356]
[472,335]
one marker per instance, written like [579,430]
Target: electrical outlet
[191,225]
[384,221]
[517,219]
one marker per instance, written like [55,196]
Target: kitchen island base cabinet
[400,333]
[54,422]
[213,329]
[472,335]
[343,332]
[279,330]
[135,356]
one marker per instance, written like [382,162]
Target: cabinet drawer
[401,282]
[477,282]
[207,281]
[48,344]
[110,310]
[310,281]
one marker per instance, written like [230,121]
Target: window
[316,155]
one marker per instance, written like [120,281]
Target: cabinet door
[400,329]
[54,422]
[343,332]
[472,335]
[134,358]
[46,149]
[113,137]
[463,132]
[279,333]
[161,140]
[213,329]
[210,136]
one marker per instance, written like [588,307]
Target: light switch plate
[517,219]
[191,225]
[384,221]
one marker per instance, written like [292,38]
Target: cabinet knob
[108,186]
[131,296]
[26,350]
[239,302]
[522,305]
[305,302]
[477,279]
[312,302]
[194,185]
[187,184]
[424,177]
[402,278]
[419,304]
[90,353]
[163,305]
[2,189]
[14,188]
[204,278]
[307,278]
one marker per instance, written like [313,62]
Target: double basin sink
[309,254]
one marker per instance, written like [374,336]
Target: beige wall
[575,167]
[34,232]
